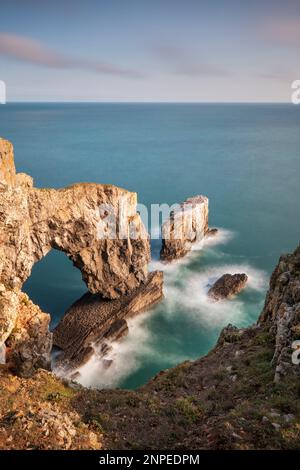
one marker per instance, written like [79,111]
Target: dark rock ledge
[93,321]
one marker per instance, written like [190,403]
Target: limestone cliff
[98,228]
[34,221]
[225,400]
[243,395]
[7,164]
[282,311]
[24,333]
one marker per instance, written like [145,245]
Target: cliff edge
[229,399]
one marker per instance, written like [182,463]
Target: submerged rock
[212,232]
[187,224]
[33,221]
[92,321]
[227,286]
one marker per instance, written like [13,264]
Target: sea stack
[187,224]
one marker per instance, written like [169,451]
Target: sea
[244,157]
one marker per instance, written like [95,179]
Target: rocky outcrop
[35,413]
[92,321]
[25,339]
[7,164]
[224,400]
[9,305]
[282,311]
[228,286]
[97,226]
[187,224]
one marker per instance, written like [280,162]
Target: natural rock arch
[33,221]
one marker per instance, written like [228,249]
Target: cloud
[278,75]
[35,52]
[284,31]
[181,63]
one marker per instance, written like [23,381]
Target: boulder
[227,286]
[92,322]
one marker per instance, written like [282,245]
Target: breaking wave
[192,297]
[186,284]
[121,360]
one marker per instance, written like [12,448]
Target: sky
[149,50]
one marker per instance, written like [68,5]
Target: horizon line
[141,102]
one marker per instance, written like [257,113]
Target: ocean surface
[245,158]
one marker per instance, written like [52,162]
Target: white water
[185,299]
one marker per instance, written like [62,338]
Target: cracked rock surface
[33,221]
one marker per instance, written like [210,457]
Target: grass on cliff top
[227,399]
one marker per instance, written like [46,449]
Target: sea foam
[185,295]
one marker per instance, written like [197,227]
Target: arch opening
[54,284]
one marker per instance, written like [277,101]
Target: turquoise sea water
[245,158]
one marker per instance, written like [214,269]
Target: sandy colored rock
[9,304]
[34,221]
[98,228]
[224,400]
[228,286]
[93,320]
[186,225]
[25,339]
[29,346]
[7,165]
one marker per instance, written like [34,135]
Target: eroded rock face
[98,228]
[34,221]
[227,286]
[9,303]
[92,322]
[25,339]
[187,224]
[282,311]
[7,165]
